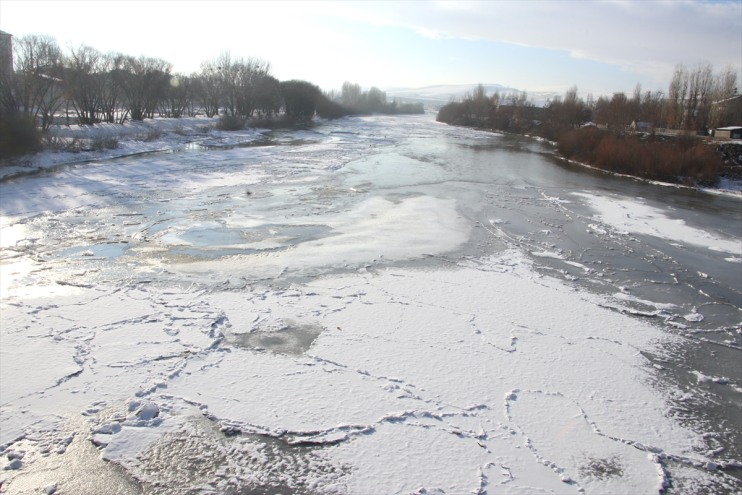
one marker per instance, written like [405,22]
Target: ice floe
[639,218]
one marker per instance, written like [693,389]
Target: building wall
[6,52]
[733,133]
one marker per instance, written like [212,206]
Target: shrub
[451,113]
[57,143]
[580,144]
[283,122]
[150,135]
[100,143]
[328,109]
[230,123]
[18,136]
[300,99]
[676,160]
[550,131]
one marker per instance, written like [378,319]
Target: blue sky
[600,46]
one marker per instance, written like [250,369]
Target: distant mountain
[439,95]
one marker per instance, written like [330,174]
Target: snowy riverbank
[131,138]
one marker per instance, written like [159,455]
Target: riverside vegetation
[47,86]
[649,135]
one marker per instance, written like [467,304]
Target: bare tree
[83,83]
[726,107]
[37,83]
[268,98]
[238,80]
[376,99]
[725,85]
[635,103]
[111,75]
[651,107]
[250,74]
[209,88]
[677,94]
[178,98]
[145,81]
[699,97]
[569,112]
[616,112]
[521,110]
[619,112]
[8,101]
[300,99]
[227,76]
[481,105]
[574,108]
[351,95]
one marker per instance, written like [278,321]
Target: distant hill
[439,95]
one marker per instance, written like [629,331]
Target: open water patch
[216,237]
[291,339]
[213,145]
[213,236]
[211,241]
[108,250]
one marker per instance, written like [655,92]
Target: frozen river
[380,305]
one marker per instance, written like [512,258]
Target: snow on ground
[130,138]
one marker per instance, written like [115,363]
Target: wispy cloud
[591,43]
[649,37]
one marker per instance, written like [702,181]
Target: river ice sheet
[317,323]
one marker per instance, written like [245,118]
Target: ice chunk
[148,411]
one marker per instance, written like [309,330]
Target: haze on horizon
[601,47]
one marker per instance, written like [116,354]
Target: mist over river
[372,305]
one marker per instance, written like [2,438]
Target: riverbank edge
[733,191]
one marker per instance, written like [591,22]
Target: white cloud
[649,37]
[646,39]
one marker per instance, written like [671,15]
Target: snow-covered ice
[632,216]
[409,382]
[304,319]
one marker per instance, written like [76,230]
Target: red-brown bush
[674,160]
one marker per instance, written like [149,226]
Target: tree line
[355,100]
[618,132]
[697,100]
[83,85]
